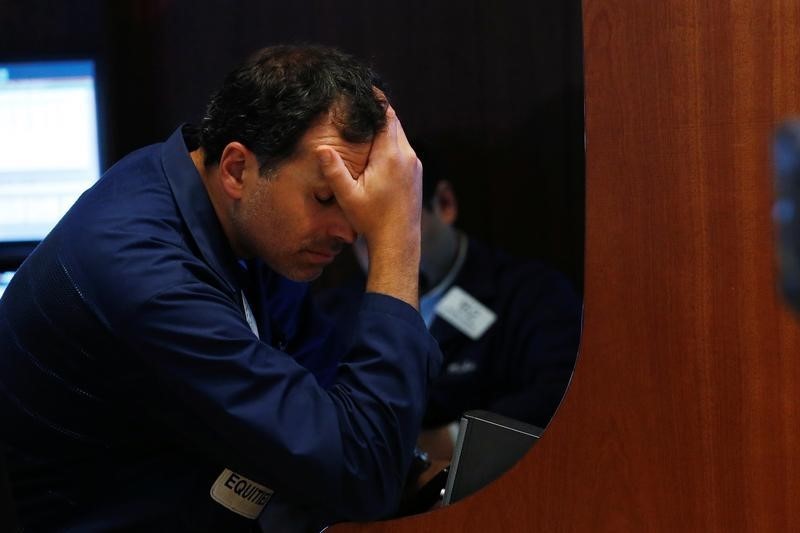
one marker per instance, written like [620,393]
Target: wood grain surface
[682,414]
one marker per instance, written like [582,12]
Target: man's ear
[232,164]
[445,204]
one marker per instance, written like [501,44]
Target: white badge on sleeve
[241,495]
[465,313]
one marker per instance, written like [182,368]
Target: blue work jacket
[132,386]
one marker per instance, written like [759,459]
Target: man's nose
[341,229]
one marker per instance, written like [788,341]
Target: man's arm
[253,409]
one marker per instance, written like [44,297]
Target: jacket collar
[195,206]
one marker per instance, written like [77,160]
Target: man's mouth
[323,256]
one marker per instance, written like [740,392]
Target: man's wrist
[394,270]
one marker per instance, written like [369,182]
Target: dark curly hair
[270,101]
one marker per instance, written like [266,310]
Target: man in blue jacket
[160,365]
[508,328]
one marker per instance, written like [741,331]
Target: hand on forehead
[325,132]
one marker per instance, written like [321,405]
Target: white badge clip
[465,313]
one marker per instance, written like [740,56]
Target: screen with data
[49,145]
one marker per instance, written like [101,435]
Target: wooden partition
[684,409]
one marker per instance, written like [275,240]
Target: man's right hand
[384,205]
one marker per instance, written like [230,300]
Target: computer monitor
[488,445]
[50,147]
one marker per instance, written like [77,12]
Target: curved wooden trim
[682,413]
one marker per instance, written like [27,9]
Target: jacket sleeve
[254,409]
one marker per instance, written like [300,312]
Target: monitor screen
[50,146]
[5,279]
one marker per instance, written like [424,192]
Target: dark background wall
[496,86]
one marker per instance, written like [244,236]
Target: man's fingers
[402,140]
[335,171]
[386,140]
[393,136]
